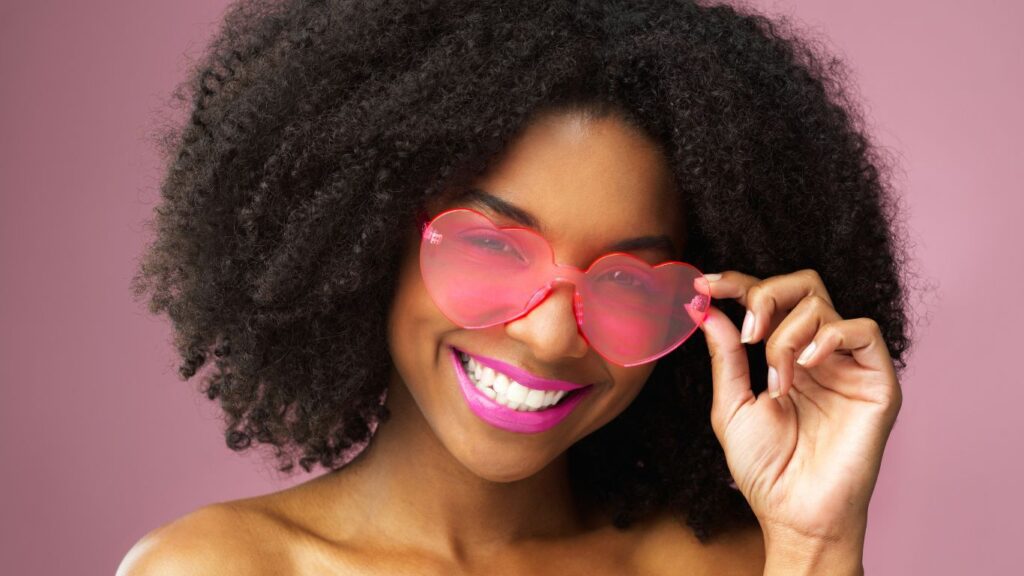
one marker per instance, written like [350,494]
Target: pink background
[100,443]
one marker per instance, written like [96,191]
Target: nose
[550,328]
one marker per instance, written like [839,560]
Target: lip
[523,377]
[512,420]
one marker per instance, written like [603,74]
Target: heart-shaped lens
[633,313]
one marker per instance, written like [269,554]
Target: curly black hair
[316,130]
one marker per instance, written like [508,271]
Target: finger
[697,315]
[794,333]
[733,284]
[697,307]
[730,372]
[768,299]
[861,337]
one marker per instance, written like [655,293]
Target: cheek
[626,384]
[632,378]
[414,322]
[404,308]
[412,338]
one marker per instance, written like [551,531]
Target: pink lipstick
[514,420]
[525,378]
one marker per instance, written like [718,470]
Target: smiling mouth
[508,392]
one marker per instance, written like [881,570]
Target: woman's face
[588,184]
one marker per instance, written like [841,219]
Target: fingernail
[713,277]
[773,382]
[748,327]
[806,354]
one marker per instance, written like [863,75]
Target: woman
[372,240]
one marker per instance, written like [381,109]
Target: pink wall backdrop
[100,442]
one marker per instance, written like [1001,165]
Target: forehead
[589,183]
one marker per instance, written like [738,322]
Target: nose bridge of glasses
[559,273]
[564,273]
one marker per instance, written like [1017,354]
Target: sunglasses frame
[566,273]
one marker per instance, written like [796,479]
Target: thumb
[730,372]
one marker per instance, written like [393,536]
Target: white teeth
[501,383]
[486,377]
[535,399]
[517,392]
[506,392]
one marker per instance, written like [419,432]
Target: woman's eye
[624,278]
[494,245]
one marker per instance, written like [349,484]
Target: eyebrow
[475,195]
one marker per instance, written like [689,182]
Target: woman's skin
[440,491]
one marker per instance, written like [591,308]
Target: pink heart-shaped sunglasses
[480,274]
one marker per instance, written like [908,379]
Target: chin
[506,467]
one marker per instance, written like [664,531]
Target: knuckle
[754,294]
[817,303]
[772,346]
[871,325]
[761,297]
[818,284]
[812,275]
[831,330]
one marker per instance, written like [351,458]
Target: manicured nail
[713,277]
[773,382]
[806,354]
[748,327]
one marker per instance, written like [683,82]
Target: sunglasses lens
[480,275]
[634,313]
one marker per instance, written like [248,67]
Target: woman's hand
[806,458]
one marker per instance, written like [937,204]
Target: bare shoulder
[220,538]
[668,546]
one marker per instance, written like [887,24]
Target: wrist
[790,554]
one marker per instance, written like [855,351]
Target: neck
[409,489]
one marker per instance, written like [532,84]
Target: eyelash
[637,282]
[480,240]
[506,248]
